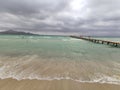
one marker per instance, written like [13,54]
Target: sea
[50,58]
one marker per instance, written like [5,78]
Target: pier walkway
[111,43]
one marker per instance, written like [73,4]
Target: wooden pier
[111,43]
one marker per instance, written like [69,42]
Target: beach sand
[11,84]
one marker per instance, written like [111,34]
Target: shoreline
[12,84]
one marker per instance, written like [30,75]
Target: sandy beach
[11,84]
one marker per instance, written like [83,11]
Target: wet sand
[11,84]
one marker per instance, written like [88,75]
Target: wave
[26,68]
[101,80]
[71,39]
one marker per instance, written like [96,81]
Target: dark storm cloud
[61,16]
[28,7]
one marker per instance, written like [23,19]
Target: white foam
[104,79]
[10,69]
[71,39]
[7,72]
[47,37]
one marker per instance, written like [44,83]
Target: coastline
[12,84]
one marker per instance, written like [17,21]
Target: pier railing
[111,43]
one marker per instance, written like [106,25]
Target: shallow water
[56,58]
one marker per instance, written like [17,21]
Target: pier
[111,43]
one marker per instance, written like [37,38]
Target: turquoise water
[57,57]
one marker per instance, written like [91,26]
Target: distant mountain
[12,32]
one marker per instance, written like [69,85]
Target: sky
[82,17]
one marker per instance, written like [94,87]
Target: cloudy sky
[86,17]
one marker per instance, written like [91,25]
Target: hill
[12,32]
